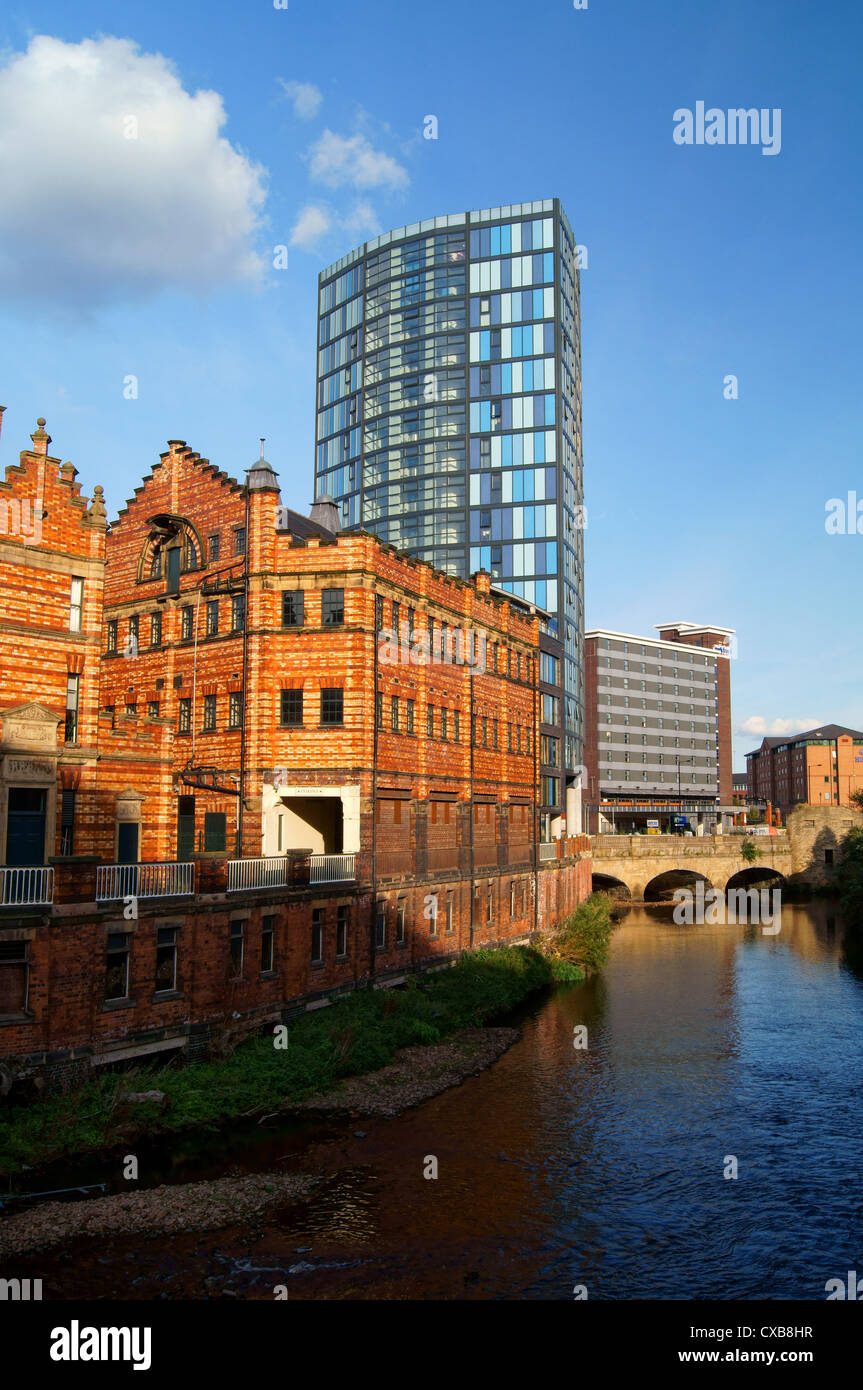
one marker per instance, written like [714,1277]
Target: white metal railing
[548,851]
[159,880]
[26,887]
[245,875]
[332,868]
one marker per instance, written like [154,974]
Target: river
[600,1168]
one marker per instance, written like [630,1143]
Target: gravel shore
[416,1074]
[197,1206]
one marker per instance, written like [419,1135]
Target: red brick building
[317,763]
[52,572]
[822,767]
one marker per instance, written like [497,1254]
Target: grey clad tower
[449,423]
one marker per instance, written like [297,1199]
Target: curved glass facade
[449,410]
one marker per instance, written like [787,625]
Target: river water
[601,1167]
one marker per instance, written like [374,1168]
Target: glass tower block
[449,408]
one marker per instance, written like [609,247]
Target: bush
[749,850]
[584,940]
[851,878]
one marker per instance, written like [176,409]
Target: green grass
[358,1034]
[583,941]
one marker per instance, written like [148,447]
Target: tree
[749,850]
[851,877]
[857,799]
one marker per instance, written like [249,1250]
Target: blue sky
[152,257]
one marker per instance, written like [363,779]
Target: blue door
[25,829]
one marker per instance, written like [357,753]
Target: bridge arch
[613,887]
[756,876]
[660,889]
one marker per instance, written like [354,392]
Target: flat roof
[696,627]
[648,641]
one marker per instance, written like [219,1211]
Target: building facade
[823,767]
[316,762]
[659,729]
[449,420]
[52,573]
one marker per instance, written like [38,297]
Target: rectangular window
[212,617]
[379,711]
[292,707]
[477,904]
[215,831]
[237,933]
[489,901]
[332,607]
[409,716]
[317,933]
[443,728]
[432,911]
[14,977]
[186,624]
[132,641]
[450,914]
[238,612]
[396,618]
[401,914]
[342,930]
[155,629]
[117,966]
[67,824]
[240,540]
[72,692]
[209,712]
[293,608]
[494,733]
[172,583]
[332,706]
[184,716]
[213,543]
[381,926]
[394,713]
[430,721]
[548,668]
[379,613]
[456,725]
[268,933]
[166,960]
[112,634]
[235,709]
[76,605]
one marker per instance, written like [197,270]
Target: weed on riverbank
[358,1034]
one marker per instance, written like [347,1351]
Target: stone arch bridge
[649,867]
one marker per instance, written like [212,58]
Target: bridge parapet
[682,847]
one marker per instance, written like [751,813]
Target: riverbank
[358,1036]
[416,1074]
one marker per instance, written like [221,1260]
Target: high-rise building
[449,422]
[659,729]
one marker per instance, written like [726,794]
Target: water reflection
[603,1166]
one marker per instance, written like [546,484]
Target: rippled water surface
[602,1167]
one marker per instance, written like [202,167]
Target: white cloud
[362,222]
[89,215]
[312,223]
[757,724]
[305,96]
[337,160]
